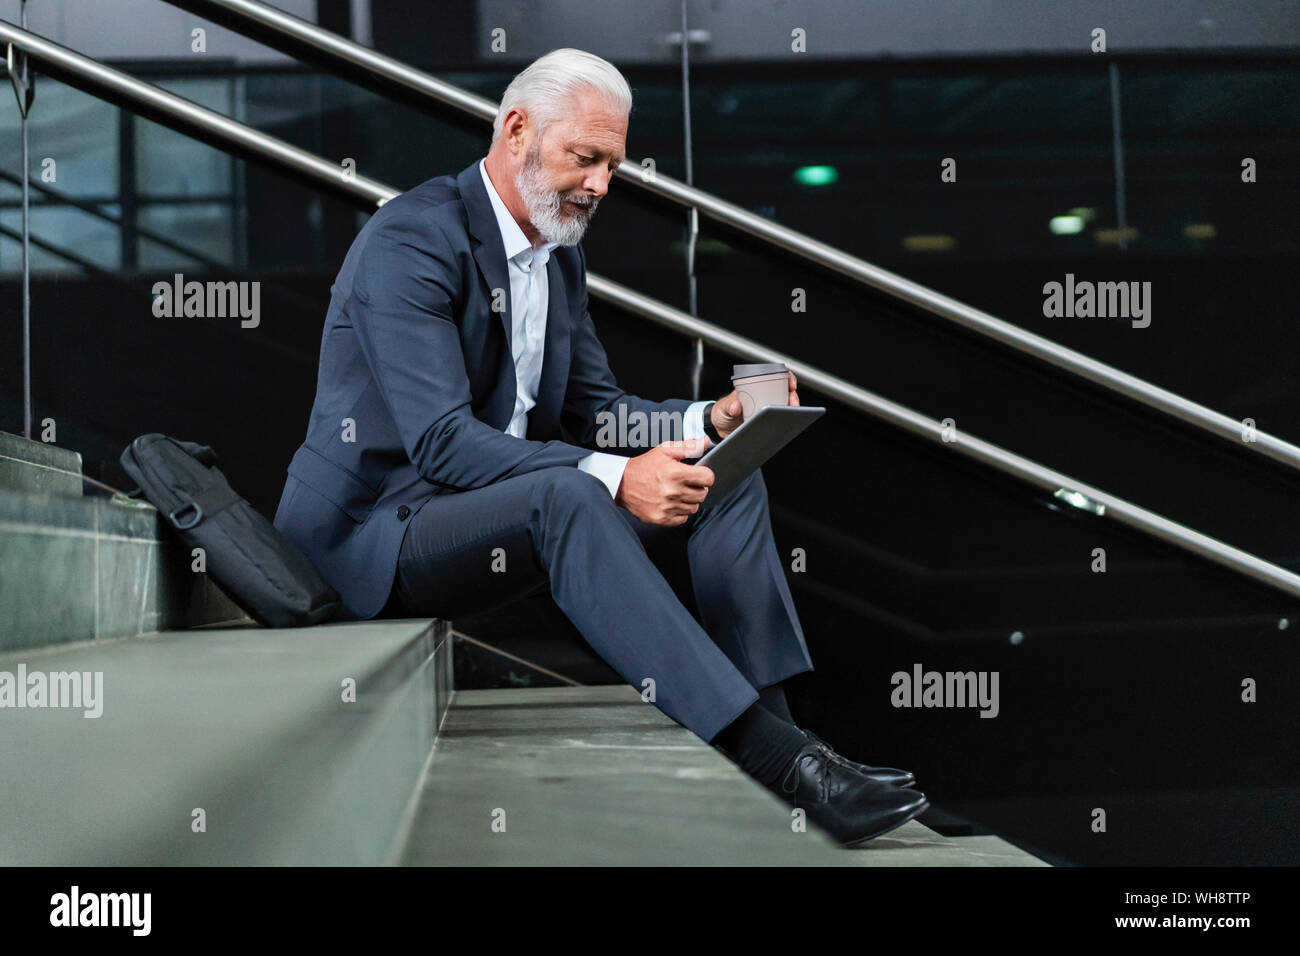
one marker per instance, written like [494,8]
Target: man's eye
[584,160]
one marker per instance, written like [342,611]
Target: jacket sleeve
[593,401]
[402,307]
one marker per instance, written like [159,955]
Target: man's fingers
[680,512]
[689,494]
[690,448]
[700,476]
[671,515]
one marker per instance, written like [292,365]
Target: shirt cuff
[608,468]
[693,423]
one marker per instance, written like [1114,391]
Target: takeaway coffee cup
[766,383]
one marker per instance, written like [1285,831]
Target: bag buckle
[189,505]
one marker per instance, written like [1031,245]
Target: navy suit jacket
[416,384]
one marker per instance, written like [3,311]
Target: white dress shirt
[529,291]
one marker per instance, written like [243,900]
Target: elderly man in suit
[452,459]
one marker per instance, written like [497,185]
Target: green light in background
[816,175]
[1065,225]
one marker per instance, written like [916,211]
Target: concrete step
[87,568]
[247,726]
[37,466]
[595,776]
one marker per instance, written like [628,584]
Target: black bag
[257,566]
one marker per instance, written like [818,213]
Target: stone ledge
[247,724]
[592,776]
[84,569]
[27,465]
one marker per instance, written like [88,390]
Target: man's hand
[659,488]
[726,412]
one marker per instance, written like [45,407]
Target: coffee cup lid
[761,368]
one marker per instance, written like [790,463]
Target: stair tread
[39,466]
[243,721]
[594,776]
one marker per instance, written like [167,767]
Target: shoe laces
[825,748]
[831,755]
[823,778]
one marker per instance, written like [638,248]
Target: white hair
[543,89]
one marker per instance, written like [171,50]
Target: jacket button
[403,513]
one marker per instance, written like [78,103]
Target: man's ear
[515,127]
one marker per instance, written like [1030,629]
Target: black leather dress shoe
[850,807]
[889,775]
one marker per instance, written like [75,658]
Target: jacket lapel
[490,254]
[544,419]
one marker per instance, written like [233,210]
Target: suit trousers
[609,573]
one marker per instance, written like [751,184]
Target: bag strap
[206,503]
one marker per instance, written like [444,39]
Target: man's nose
[597,184]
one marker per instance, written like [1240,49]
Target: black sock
[762,744]
[773,698]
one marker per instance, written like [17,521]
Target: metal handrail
[186,117]
[384,74]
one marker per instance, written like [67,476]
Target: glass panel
[204,229]
[1187,130]
[78,132]
[62,239]
[169,164]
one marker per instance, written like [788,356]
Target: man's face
[565,175]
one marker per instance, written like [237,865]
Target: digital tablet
[754,442]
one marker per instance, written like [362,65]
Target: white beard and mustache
[545,205]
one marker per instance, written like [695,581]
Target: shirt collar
[512,237]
